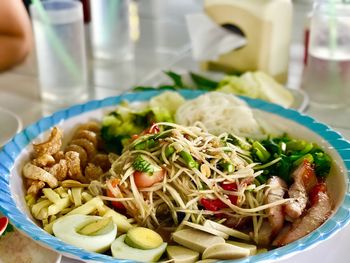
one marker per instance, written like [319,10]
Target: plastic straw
[56,41]
[332,27]
[112,14]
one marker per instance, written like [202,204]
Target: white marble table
[163,42]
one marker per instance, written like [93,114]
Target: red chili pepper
[314,193]
[231,187]
[212,204]
[217,204]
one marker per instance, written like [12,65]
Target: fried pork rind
[88,146]
[90,126]
[88,135]
[82,153]
[44,160]
[33,172]
[35,187]
[93,172]
[59,170]
[74,169]
[102,160]
[52,145]
[58,156]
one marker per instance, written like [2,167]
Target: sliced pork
[275,214]
[304,180]
[314,217]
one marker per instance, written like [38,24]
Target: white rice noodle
[219,113]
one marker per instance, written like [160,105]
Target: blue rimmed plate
[16,153]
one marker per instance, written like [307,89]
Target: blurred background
[110,46]
[129,43]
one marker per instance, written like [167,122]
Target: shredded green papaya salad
[199,178]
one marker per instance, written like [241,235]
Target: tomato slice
[118,205]
[144,179]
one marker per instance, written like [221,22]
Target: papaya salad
[171,179]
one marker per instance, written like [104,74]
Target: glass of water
[110,30]
[60,47]
[327,73]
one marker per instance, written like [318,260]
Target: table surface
[163,44]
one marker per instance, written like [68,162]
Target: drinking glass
[61,53]
[327,73]
[110,30]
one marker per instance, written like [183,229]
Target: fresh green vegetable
[244,85]
[257,85]
[240,142]
[120,125]
[285,154]
[322,162]
[308,157]
[188,158]
[149,88]
[251,84]
[203,83]
[176,78]
[144,145]
[169,151]
[226,166]
[165,105]
[261,151]
[143,238]
[143,164]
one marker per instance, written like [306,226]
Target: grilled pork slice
[265,234]
[275,214]
[304,180]
[314,217]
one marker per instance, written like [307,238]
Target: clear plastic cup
[327,73]
[110,30]
[61,53]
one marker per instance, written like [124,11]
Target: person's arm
[15,33]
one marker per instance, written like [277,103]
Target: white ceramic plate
[10,124]
[16,152]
